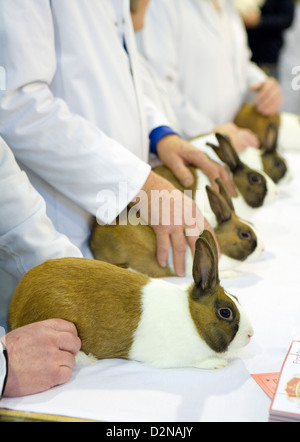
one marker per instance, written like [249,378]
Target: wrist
[168,144]
[156,182]
[159,134]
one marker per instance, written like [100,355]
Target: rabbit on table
[288,126]
[134,246]
[255,188]
[269,157]
[123,314]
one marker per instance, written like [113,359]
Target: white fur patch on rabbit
[174,341]
[227,265]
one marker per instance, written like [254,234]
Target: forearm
[27,236]
[255,75]
[64,149]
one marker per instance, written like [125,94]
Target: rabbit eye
[254,178]
[246,235]
[277,163]
[226,313]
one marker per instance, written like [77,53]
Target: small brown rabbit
[123,314]
[134,246]
[249,118]
[255,188]
[238,238]
[287,123]
[267,158]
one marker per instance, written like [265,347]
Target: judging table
[127,391]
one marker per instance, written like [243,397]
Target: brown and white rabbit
[288,124]
[255,188]
[239,239]
[123,314]
[267,158]
[134,246]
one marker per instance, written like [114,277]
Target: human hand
[240,138]
[177,154]
[174,217]
[252,18]
[41,356]
[269,97]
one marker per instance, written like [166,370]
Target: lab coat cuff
[3,368]
[158,134]
[112,203]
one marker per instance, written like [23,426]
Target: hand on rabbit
[177,154]
[174,218]
[41,356]
[240,138]
[269,97]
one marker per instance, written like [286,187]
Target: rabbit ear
[205,267]
[225,193]
[226,152]
[218,205]
[211,242]
[271,137]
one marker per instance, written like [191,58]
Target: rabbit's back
[103,301]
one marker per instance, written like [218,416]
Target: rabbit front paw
[84,360]
[212,364]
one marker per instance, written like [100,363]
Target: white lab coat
[73,111]
[27,236]
[203,58]
[154,89]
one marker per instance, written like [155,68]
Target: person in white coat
[76,117]
[199,48]
[154,86]
[27,236]
[35,357]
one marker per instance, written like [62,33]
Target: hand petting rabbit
[133,245]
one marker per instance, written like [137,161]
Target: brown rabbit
[255,188]
[267,158]
[250,118]
[123,314]
[134,246]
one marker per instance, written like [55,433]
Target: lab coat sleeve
[154,89]
[162,55]
[27,236]
[3,368]
[254,74]
[155,116]
[64,149]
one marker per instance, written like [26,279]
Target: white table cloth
[269,289]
